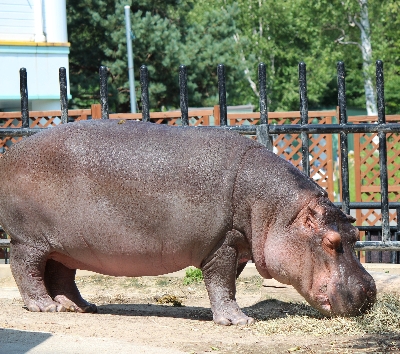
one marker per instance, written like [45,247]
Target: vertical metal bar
[341,78]
[263,136]
[103,72]
[368,254]
[304,117]
[62,73]
[183,95]
[131,73]
[393,253]
[397,234]
[262,81]
[23,85]
[380,93]
[144,85]
[222,94]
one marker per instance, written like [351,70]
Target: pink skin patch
[324,302]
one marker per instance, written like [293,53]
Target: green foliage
[238,33]
[192,275]
[164,40]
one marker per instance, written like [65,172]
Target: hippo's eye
[333,241]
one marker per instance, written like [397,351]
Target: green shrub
[193,275]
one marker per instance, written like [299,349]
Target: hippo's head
[315,254]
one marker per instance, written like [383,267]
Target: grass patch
[383,318]
[192,275]
[163,281]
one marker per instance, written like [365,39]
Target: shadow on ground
[18,342]
[263,310]
[389,343]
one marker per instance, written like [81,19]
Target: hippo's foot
[83,306]
[231,315]
[44,305]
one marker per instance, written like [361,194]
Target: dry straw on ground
[383,318]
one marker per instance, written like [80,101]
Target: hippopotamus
[127,198]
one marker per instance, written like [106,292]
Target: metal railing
[264,132]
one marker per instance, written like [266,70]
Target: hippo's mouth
[324,304]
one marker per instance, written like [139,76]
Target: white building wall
[42,65]
[33,35]
[17,22]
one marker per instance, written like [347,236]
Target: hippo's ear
[350,218]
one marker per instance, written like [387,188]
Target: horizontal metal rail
[369,205]
[377,246]
[5,243]
[17,132]
[272,128]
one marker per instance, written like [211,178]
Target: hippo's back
[101,193]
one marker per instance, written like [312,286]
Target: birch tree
[361,20]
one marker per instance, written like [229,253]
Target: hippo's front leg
[219,272]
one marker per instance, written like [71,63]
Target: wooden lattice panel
[37,119]
[6,141]
[367,174]
[193,120]
[196,117]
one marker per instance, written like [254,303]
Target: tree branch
[246,70]
[340,40]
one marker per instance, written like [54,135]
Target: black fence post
[62,73]
[262,130]
[144,85]
[304,117]
[341,78]
[222,95]
[183,95]
[380,93]
[103,72]
[23,85]
[396,254]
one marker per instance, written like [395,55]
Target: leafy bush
[193,275]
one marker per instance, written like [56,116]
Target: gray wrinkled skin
[138,199]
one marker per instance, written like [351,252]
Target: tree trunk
[246,70]
[366,49]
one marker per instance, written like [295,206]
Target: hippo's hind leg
[219,272]
[27,265]
[60,282]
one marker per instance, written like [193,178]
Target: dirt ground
[144,314]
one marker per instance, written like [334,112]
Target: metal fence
[264,131]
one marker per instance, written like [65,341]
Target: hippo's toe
[238,320]
[221,320]
[48,306]
[243,321]
[91,308]
[79,305]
